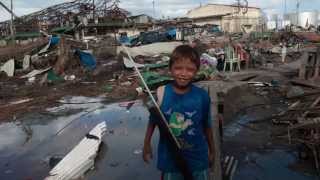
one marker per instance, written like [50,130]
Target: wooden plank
[313,105]
[304,84]
[217,171]
[317,68]
[245,77]
[292,106]
[303,61]
[306,123]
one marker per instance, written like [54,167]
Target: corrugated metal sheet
[80,158]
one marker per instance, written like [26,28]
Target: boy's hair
[184,52]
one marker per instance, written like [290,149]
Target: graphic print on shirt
[191,114]
[178,123]
[169,112]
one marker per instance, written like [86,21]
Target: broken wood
[313,105]
[305,95]
[305,84]
[306,123]
[302,71]
[317,66]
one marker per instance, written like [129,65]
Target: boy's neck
[181,90]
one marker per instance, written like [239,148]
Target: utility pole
[93,10]
[154,12]
[284,13]
[298,7]
[11,23]
[285,6]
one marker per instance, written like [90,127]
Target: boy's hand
[147,153]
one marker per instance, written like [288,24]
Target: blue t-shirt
[187,115]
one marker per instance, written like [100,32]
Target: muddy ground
[106,81]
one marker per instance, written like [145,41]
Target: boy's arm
[147,150]
[209,136]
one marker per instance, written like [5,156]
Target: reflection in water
[256,162]
[269,166]
[54,136]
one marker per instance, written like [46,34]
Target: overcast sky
[164,8]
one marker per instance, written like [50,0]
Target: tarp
[171,33]
[8,67]
[54,40]
[158,65]
[87,59]
[151,49]
[124,39]
[53,77]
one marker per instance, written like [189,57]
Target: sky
[165,8]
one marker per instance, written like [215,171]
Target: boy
[187,110]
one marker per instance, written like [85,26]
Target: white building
[230,18]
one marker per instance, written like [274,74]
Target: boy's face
[183,71]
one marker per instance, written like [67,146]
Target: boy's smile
[183,71]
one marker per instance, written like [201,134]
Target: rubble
[88,58]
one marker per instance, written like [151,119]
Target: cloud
[171,8]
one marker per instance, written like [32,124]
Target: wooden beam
[217,171]
[313,105]
[317,68]
[303,63]
[304,83]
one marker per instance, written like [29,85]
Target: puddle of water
[56,136]
[234,127]
[11,136]
[249,145]
[269,166]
